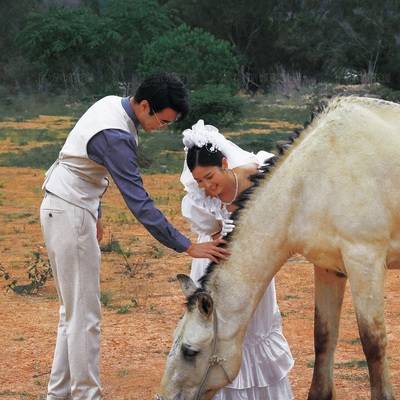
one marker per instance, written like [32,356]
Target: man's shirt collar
[125,101]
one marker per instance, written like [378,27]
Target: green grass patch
[291,297]
[122,373]
[256,143]
[158,152]
[352,364]
[123,309]
[295,115]
[20,395]
[24,136]
[161,152]
[18,215]
[345,365]
[38,157]
[156,251]
[28,106]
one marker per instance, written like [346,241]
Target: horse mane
[263,172]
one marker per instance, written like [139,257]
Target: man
[102,143]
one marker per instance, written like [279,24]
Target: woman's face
[212,179]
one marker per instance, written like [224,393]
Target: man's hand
[209,250]
[100,230]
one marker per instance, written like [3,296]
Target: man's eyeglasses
[162,122]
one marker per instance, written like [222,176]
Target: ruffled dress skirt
[266,360]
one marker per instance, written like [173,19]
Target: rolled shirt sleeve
[117,151]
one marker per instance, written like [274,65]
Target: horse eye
[188,353]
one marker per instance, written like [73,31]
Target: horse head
[202,359]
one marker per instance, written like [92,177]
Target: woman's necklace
[236,190]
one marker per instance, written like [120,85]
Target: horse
[334,197]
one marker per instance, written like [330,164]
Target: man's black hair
[204,157]
[164,90]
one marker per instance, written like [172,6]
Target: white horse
[335,198]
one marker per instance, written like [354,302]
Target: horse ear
[187,285]
[205,304]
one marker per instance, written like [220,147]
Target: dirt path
[144,302]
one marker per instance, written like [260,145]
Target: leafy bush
[112,245]
[216,105]
[388,94]
[38,271]
[105,298]
[194,54]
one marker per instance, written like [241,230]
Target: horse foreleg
[366,274]
[329,290]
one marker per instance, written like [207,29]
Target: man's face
[151,121]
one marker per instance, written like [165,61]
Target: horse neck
[258,250]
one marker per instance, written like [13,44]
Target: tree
[247,25]
[136,23]
[13,67]
[326,38]
[194,54]
[68,44]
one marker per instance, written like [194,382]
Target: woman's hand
[227,226]
[209,250]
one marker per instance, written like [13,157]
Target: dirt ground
[143,303]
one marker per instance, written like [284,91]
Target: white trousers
[70,236]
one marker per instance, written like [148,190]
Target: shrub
[105,298]
[387,93]
[194,54]
[38,271]
[216,105]
[112,246]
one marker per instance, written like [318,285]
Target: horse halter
[213,361]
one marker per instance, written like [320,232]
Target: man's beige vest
[74,177]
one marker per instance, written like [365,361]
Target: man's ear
[145,106]
[187,285]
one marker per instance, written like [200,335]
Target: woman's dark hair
[164,90]
[204,157]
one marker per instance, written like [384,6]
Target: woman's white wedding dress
[267,359]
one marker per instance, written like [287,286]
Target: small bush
[388,94]
[38,271]
[156,251]
[105,298]
[112,246]
[216,105]
[123,309]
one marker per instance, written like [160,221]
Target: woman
[216,171]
